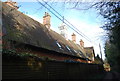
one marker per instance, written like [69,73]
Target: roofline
[49,51]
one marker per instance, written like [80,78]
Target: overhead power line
[65,20]
[58,17]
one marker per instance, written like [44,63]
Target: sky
[87,21]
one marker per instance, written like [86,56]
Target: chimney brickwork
[46,20]
[73,38]
[12,4]
[81,43]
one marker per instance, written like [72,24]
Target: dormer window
[58,45]
[33,27]
[80,52]
[68,48]
[75,51]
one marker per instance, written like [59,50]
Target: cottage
[27,35]
[90,52]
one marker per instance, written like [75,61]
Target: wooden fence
[15,67]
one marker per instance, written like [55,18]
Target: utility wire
[70,24]
[37,10]
[84,36]
[66,20]
[58,17]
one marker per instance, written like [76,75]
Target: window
[58,45]
[80,52]
[68,48]
[75,51]
[33,27]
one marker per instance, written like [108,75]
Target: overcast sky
[87,21]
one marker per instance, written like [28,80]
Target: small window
[68,48]
[33,27]
[58,45]
[75,51]
[80,52]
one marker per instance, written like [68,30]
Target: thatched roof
[89,52]
[19,27]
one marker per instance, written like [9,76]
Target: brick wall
[55,56]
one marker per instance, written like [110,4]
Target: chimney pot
[73,38]
[81,43]
[46,20]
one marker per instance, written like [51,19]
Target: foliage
[30,60]
[112,56]
[98,60]
[111,12]
[13,52]
[23,54]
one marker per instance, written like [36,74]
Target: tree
[111,12]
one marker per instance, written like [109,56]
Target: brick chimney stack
[46,20]
[73,38]
[12,4]
[81,43]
